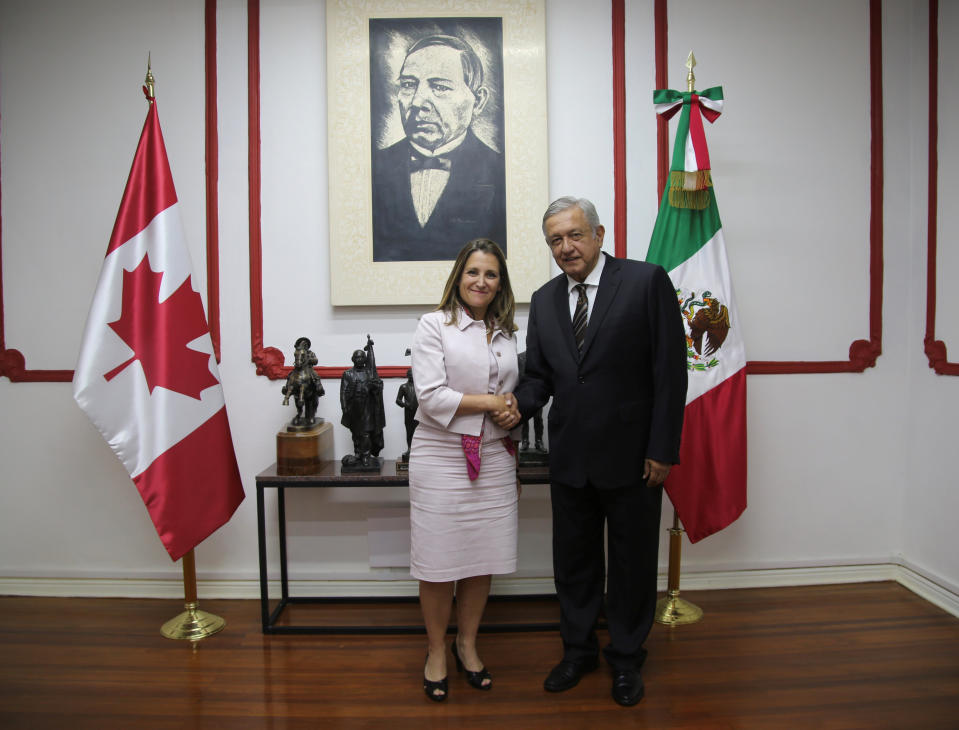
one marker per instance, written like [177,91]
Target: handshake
[504,411]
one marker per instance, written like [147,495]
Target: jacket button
[581,379]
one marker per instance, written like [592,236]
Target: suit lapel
[608,286]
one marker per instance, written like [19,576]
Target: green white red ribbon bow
[689,171]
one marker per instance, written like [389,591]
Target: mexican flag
[708,487]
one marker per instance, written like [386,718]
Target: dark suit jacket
[473,204]
[623,399]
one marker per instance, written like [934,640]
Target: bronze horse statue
[304,386]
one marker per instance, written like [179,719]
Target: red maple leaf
[158,332]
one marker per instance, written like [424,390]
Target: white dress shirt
[426,186]
[592,286]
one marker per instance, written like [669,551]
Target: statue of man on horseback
[304,386]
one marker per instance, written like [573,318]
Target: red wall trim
[935,349]
[661,62]
[212,179]
[13,363]
[269,360]
[862,353]
[619,126]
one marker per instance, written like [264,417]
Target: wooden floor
[852,656]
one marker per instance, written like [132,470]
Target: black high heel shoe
[475,679]
[430,687]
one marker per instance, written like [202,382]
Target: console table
[330,475]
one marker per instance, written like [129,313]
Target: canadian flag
[146,374]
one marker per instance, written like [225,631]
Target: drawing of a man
[442,185]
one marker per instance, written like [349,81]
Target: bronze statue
[361,398]
[537,419]
[406,399]
[303,384]
[537,456]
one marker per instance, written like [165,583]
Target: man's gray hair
[567,202]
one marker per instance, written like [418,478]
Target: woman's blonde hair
[502,309]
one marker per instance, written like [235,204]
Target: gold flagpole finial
[690,77]
[149,80]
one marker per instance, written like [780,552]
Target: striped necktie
[580,316]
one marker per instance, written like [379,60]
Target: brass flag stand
[673,610]
[193,624]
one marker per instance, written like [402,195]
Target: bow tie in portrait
[421,162]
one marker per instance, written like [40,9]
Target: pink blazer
[450,360]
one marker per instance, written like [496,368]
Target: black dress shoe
[627,687]
[480,680]
[567,674]
[438,690]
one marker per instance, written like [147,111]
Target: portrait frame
[355,278]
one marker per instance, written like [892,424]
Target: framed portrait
[444,140]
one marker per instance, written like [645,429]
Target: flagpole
[193,624]
[673,610]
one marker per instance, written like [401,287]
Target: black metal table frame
[331,476]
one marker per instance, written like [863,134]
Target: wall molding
[13,363]
[212,154]
[618,44]
[862,353]
[935,349]
[269,360]
[924,584]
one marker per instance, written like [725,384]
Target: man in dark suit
[614,431]
[441,186]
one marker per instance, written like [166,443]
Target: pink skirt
[460,528]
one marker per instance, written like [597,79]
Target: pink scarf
[471,449]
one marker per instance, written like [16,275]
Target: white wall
[844,470]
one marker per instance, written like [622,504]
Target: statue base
[533,457]
[352,465]
[302,452]
[291,428]
[403,462]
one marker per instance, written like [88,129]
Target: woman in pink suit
[463,485]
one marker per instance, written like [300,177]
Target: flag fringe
[694,199]
[691,179]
